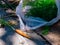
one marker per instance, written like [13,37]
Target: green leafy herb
[45,9]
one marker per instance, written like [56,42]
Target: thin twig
[43,37]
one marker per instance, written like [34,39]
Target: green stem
[3,22]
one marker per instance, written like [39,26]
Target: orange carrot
[20,32]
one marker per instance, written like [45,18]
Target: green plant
[3,5]
[45,30]
[45,9]
[25,2]
[5,23]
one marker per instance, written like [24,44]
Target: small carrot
[20,32]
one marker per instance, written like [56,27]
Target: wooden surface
[8,37]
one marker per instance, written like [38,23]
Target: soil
[54,34]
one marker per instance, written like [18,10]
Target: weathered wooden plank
[11,38]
